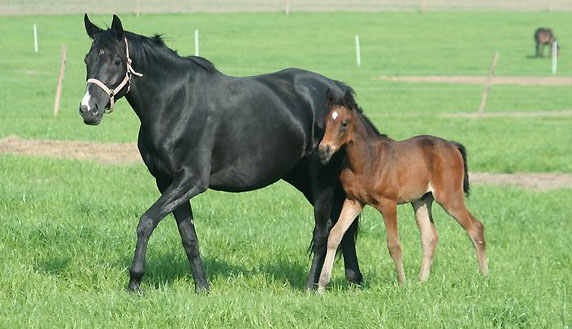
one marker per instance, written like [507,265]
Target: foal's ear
[349,101]
[117,28]
[91,29]
[329,98]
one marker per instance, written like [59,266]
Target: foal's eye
[116,62]
[344,123]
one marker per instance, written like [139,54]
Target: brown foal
[383,173]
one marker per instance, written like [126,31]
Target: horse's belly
[253,169]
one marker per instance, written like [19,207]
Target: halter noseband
[126,81]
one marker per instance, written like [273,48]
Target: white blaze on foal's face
[335,115]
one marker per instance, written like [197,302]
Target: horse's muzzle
[325,153]
[90,117]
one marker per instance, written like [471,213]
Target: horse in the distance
[543,37]
[383,173]
[202,129]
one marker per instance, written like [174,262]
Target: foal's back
[410,168]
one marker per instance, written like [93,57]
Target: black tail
[463,150]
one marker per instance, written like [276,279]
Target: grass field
[69,226]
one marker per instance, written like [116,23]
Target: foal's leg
[429,236]
[388,210]
[184,187]
[184,217]
[350,211]
[454,205]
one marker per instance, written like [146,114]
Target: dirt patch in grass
[127,153]
[104,153]
[497,80]
[509,114]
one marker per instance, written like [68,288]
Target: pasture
[69,226]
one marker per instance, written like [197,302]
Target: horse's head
[108,70]
[338,125]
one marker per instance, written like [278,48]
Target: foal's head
[107,68]
[338,125]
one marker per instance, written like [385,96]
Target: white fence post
[196,42]
[554,56]
[35,38]
[358,53]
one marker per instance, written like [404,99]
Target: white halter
[126,81]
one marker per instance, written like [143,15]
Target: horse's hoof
[310,286]
[134,288]
[321,290]
[202,290]
[354,277]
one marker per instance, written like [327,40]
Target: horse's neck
[365,146]
[160,84]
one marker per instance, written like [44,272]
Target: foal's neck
[363,149]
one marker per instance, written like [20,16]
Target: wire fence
[35,7]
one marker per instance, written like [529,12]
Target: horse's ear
[349,100]
[329,98]
[91,29]
[117,28]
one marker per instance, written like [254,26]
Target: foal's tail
[463,150]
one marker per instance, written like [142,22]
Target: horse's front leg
[183,187]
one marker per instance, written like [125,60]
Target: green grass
[67,240]
[69,226]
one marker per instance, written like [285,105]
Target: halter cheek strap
[126,81]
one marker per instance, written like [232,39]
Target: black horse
[202,129]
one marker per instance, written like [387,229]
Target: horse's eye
[116,62]
[344,123]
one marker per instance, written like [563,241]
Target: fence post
[138,8]
[554,56]
[358,53]
[60,80]
[196,42]
[287,10]
[35,39]
[488,83]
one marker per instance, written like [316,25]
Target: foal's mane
[359,110]
[154,47]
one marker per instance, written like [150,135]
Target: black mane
[154,46]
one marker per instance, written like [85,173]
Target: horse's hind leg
[350,211]
[454,205]
[184,217]
[429,236]
[388,210]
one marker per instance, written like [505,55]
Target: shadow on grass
[166,269]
